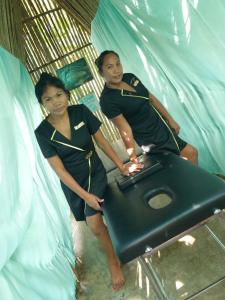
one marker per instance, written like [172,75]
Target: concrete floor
[185,267]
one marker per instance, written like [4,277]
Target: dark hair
[46,80]
[100,60]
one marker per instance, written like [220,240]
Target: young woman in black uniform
[137,113]
[65,138]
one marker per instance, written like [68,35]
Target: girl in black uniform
[137,113]
[65,139]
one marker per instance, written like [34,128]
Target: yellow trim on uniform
[68,145]
[53,134]
[65,144]
[136,96]
[89,177]
[123,95]
[167,127]
[88,156]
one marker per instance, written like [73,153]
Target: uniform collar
[47,130]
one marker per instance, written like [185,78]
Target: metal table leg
[153,278]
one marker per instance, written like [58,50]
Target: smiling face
[55,100]
[112,70]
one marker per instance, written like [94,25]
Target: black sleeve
[91,120]
[110,108]
[136,82]
[46,148]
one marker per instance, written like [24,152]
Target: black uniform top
[148,126]
[78,154]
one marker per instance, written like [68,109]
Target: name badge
[136,83]
[79,125]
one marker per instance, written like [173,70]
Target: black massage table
[160,208]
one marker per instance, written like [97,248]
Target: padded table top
[134,225]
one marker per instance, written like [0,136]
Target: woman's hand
[131,168]
[93,201]
[174,126]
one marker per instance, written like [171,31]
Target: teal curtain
[36,252]
[177,48]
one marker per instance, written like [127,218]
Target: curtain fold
[83,10]
[11,28]
[177,49]
[35,234]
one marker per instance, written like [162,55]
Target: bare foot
[118,279]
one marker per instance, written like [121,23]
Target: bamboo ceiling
[54,39]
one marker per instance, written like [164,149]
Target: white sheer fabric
[35,234]
[177,49]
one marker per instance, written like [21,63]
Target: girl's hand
[93,201]
[131,168]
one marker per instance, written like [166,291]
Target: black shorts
[173,144]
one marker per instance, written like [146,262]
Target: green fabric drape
[35,235]
[177,48]
[11,28]
[83,10]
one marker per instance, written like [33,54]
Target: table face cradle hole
[159,201]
